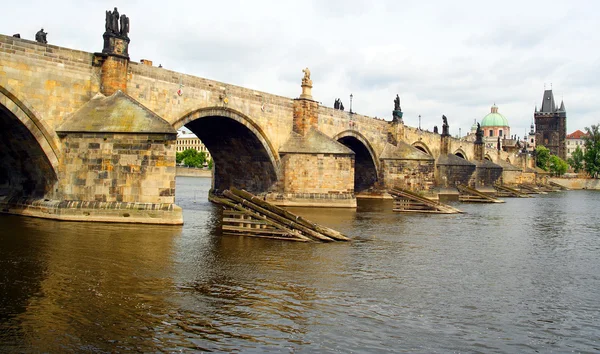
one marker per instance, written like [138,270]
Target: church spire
[562,106]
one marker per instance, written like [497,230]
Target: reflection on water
[516,277]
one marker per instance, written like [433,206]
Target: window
[500,132]
[491,132]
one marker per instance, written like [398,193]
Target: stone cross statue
[40,36]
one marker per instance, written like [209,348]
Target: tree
[210,164]
[542,156]
[592,150]
[576,159]
[557,165]
[191,158]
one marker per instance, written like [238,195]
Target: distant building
[531,138]
[494,126]
[551,125]
[574,140]
[187,140]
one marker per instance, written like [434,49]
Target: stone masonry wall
[156,88]
[318,173]
[114,75]
[487,176]
[306,113]
[414,175]
[451,175]
[136,168]
[54,81]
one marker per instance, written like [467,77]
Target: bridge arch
[487,157]
[243,155]
[461,153]
[366,163]
[423,147]
[29,149]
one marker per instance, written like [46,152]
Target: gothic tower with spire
[551,125]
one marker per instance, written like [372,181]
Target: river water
[523,276]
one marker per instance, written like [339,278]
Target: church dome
[494,119]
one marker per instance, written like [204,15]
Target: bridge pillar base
[317,170]
[71,210]
[321,200]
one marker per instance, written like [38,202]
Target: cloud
[454,58]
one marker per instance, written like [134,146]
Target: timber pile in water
[530,189]
[468,194]
[245,214]
[409,202]
[505,191]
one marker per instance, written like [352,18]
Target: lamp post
[351,103]
[459,133]
[419,122]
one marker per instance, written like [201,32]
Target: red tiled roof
[578,134]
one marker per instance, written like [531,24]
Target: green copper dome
[494,119]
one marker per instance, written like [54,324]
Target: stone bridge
[91,136]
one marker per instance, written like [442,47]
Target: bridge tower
[551,125]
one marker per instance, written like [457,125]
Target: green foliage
[542,156]
[557,165]
[592,150]
[210,164]
[191,158]
[576,160]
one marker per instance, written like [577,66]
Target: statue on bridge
[306,79]
[397,112]
[479,134]
[336,104]
[435,129]
[112,22]
[124,25]
[445,126]
[397,103]
[40,36]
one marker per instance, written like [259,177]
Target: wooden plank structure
[548,187]
[245,214]
[505,191]
[406,201]
[530,189]
[556,185]
[471,195]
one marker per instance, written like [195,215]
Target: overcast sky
[442,57]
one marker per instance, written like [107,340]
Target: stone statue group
[112,23]
[338,104]
[40,36]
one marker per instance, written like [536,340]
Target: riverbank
[193,172]
[577,183]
